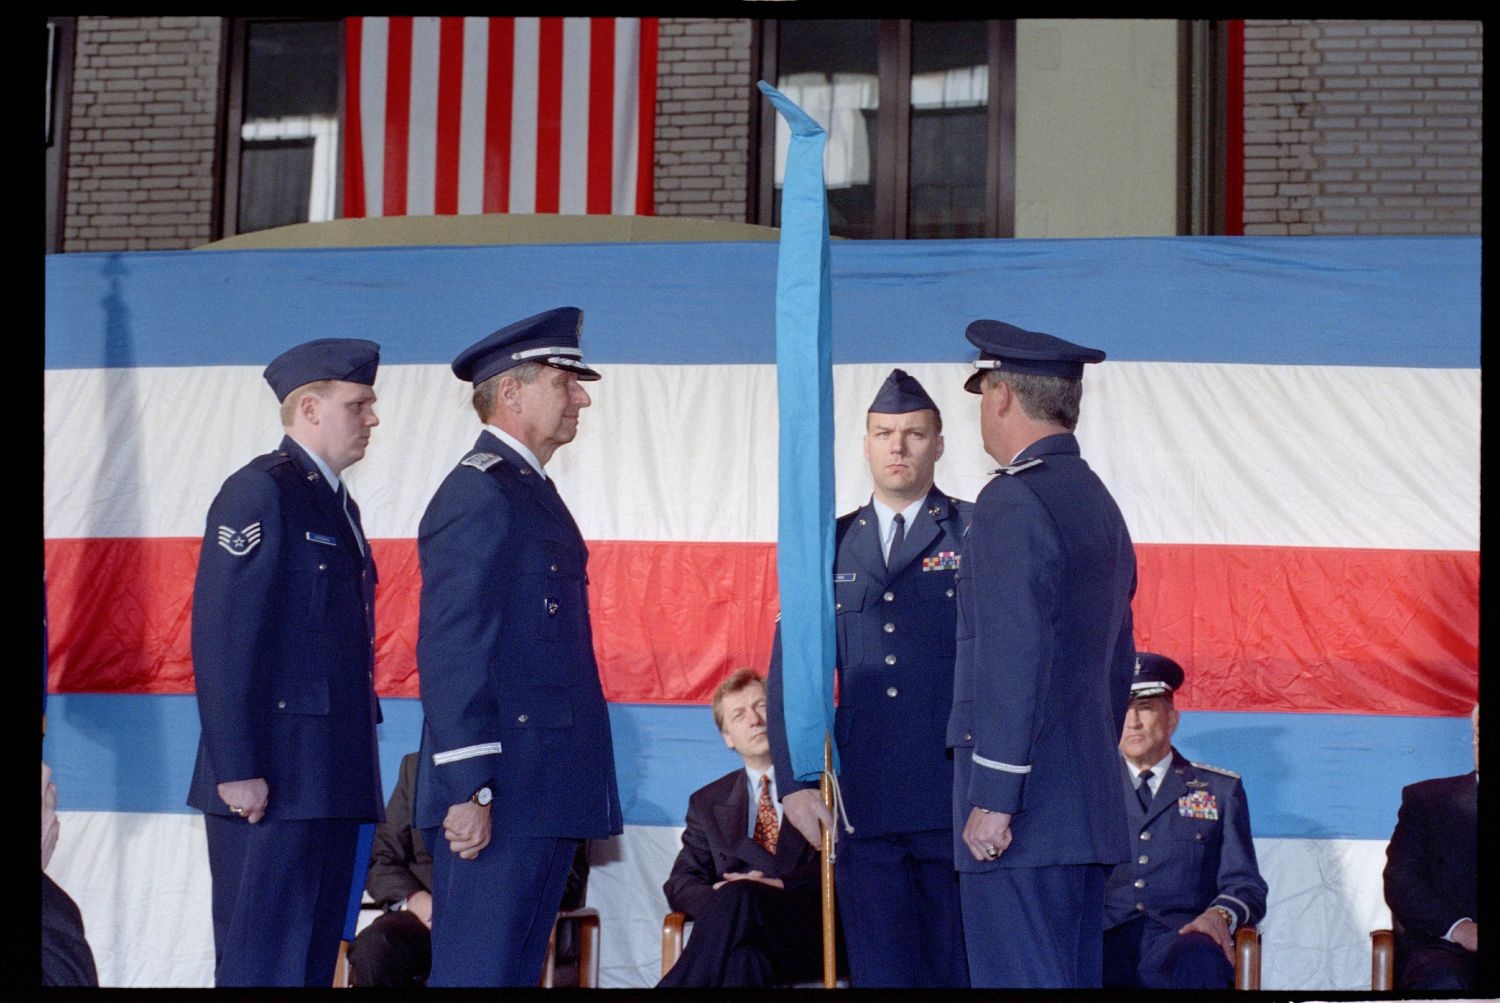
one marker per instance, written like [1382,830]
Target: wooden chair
[672,934]
[588,952]
[587,920]
[1247,958]
[1382,961]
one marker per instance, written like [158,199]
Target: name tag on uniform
[327,541]
[943,560]
[847,576]
[1200,805]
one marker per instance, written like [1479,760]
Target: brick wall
[703,119]
[1363,127]
[141,141]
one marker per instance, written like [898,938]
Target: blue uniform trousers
[898,902]
[493,916]
[1145,954]
[1035,927]
[281,891]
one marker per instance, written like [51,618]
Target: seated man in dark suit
[396,949]
[67,959]
[749,885]
[1432,881]
[1170,912]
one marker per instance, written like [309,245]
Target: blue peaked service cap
[1155,676]
[352,360]
[1012,349]
[901,393]
[550,337]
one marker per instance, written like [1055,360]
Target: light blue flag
[804,381]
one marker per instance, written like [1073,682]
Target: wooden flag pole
[825,787]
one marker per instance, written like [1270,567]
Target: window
[284,99]
[920,118]
[59,68]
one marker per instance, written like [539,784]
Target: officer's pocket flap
[302,696]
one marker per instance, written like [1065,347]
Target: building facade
[1029,128]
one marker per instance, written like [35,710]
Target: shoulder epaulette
[267,461]
[481,461]
[1216,769]
[1015,468]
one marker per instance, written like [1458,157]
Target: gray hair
[487,394]
[1053,399]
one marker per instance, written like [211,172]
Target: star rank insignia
[240,542]
[482,461]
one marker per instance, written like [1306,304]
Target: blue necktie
[344,502]
[896,538]
[1143,790]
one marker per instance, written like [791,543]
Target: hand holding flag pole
[804,553]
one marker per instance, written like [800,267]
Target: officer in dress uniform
[895,610]
[283,655]
[1045,657]
[517,764]
[1171,910]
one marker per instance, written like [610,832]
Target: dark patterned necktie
[765,817]
[1143,790]
[896,538]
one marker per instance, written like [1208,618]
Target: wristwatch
[483,796]
[1228,916]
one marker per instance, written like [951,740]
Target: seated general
[1170,912]
[750,886]
[1432,881]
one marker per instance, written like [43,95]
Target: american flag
[461,115]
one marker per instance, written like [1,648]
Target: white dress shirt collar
[517,445]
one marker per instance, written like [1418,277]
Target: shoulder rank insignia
[943,560]
[481,461]
[1199,805]
[1015,468]
[239,542]
[1216,769]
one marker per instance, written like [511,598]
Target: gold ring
[991,851]
[238,811]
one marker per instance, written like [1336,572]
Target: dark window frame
[893,130]
[61,35]
[234,66]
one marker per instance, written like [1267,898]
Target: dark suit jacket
[895,685]
[1045,658]
[715,842]
[510,689]
[283,649]
[66,957]
[1431,869]
[1193,859]
[399,861]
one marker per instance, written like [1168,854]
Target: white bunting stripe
[467,752]
[994,765]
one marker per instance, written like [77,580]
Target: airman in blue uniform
[283,655]
[1045,656]
[517,764]
[895,609]
[1171,910]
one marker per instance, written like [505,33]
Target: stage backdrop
[1291,426]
